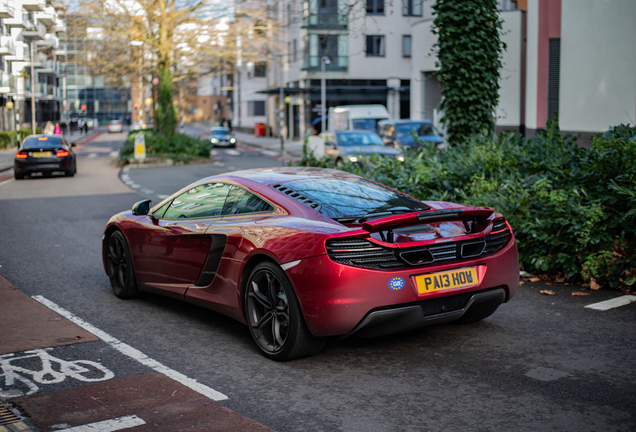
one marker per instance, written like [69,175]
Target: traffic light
[83,107]
[136,105]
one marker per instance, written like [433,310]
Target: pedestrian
[57,130]
[48,129]
[85,127]
[229,124]
[221,122]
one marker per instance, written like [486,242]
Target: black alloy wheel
[119,267]
[274,317]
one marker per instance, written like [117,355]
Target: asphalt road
[539,363]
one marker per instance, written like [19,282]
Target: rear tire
[119,267]
[18,176]
[274,316]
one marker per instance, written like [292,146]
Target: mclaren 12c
[304,254]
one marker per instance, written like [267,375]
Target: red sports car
[302,254]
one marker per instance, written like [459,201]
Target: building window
[406,45]
[260,70]
[554,71]
[375,7]
[375,46]
[256,108]
[412,7]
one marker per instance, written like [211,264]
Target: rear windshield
[421,129]
[356,139]
[220,131]
[344,198]
[48,141]
[365,124]
[114,122]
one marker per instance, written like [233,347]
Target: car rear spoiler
[474,220]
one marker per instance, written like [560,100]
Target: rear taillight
[21,155]
[61,153]
[108,126]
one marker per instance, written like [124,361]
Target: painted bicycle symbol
[20,376]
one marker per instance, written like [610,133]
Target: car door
[175,246]
[239,230]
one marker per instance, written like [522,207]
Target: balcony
[7,46]
[47,17]
[7,83]
[37,32]
[18,21]
[325,22]
[326,15]
[6,10]
[34,5]
[312,64]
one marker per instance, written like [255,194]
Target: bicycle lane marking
[14,371]
[133,352]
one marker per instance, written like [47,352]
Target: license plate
[41,154]
[450,279]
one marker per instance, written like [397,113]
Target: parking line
[7,181]
[111,425]
[134,353]
[612,303]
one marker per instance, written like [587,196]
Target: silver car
[355,145]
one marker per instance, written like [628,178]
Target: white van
[356,117]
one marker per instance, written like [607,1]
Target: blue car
[399,133]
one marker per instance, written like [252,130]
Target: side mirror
[330,144]
[141,208]
[73,145]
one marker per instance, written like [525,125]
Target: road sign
[140,146]
[9,105]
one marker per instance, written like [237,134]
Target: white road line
[114,153]
[134,353]
[7,181]
[147,191]
[111,425]
[92,155]
[270,153]
[612,303]
[233,152]
[163,196]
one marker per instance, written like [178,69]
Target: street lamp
[323,92]
[141,102]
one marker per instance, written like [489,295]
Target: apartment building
[571,60]
[29,32]
[366,48]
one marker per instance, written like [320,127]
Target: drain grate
[10,422]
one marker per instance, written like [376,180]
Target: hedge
[178,147]
[573,210]
[8,138]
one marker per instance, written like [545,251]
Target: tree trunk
[166,118]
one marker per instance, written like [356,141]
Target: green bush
[178,147]
[7,138]
[573,210]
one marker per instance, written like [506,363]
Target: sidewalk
[75,394]
[7,156]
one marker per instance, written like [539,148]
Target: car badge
[397,283]
[444,240]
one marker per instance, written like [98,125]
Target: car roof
[273,176]
[405,121]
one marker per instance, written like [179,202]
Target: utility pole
[281,101]
[323,93]
[32,89]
